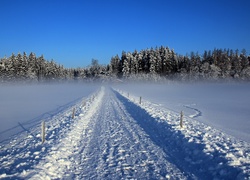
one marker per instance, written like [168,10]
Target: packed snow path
[113,137]
[113,146]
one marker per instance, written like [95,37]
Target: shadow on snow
[187,156]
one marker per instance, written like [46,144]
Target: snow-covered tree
[115,65]
[126,69]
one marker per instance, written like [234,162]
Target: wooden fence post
[73,113]
[43,132]
[181,120]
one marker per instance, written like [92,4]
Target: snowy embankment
[114,137]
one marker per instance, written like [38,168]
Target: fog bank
[22,103]
[226,106]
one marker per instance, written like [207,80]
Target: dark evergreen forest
[149,64]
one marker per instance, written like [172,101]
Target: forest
[149,64]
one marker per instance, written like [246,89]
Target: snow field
[60,160]
[224,106]
[25,105]
[205,151]
[113,136]
[25,151]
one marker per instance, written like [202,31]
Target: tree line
[30,68]
[163,62]
[154,63]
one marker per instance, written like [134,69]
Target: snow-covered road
[115,137]
[118,148]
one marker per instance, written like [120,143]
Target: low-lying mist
[22,103]
[225,106]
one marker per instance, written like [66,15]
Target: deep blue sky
[73,32]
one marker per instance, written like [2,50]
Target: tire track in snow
[118,148]
[197,111]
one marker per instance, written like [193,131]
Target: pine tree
[152,61]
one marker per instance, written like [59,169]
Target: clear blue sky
[73,32]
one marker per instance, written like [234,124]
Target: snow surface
[225,106]
[24,105]
[113,136]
